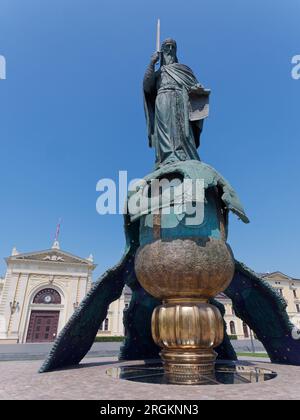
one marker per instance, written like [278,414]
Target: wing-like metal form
[262,308]
[77,337]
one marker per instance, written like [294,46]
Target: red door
[42,326]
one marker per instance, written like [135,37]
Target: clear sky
[71,113]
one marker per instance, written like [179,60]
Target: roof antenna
[56,242]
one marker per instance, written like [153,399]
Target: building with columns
[113,324]
[40,292]
[288,287]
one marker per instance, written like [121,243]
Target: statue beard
[168,59]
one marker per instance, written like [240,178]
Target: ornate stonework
[38,293]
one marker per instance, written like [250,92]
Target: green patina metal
[217,190]
[209,227]
[193,169]
[254,301]
[175,105]
[169,95]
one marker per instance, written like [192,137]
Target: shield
[199,103]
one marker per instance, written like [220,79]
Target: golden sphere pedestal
[185,273]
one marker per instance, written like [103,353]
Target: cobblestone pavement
[20,380]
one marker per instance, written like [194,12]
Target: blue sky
[71,113]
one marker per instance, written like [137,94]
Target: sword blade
[158,36]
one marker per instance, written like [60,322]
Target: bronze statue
[175,271]
[175,106]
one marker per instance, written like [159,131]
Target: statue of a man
[175,106]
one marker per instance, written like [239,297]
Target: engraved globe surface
[185,267]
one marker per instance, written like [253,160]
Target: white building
[113,324]
[39,293]
[287,287]
[41,290]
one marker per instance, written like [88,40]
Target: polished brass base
[187,332]
[185,273]
[190,367]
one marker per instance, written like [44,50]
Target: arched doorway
[43,322]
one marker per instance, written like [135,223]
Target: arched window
[47,296]
[232,328]
[245,329]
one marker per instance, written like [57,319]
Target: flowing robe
[167,108]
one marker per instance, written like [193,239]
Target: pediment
[277,275]
[52,255]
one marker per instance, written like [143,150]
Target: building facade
[39,293]
[41,290]
[113,324]
[287,287]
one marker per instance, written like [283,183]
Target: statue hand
[155,57]
[196,87]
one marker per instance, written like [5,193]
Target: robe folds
[167,104]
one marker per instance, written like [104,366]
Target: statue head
[169,52]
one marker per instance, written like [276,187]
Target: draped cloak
[169,101]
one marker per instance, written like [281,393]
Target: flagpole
[57,230]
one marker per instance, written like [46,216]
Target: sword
[158,36]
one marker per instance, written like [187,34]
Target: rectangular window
[298,308]
[295,294]
[106,324]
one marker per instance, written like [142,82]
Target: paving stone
[20,380]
